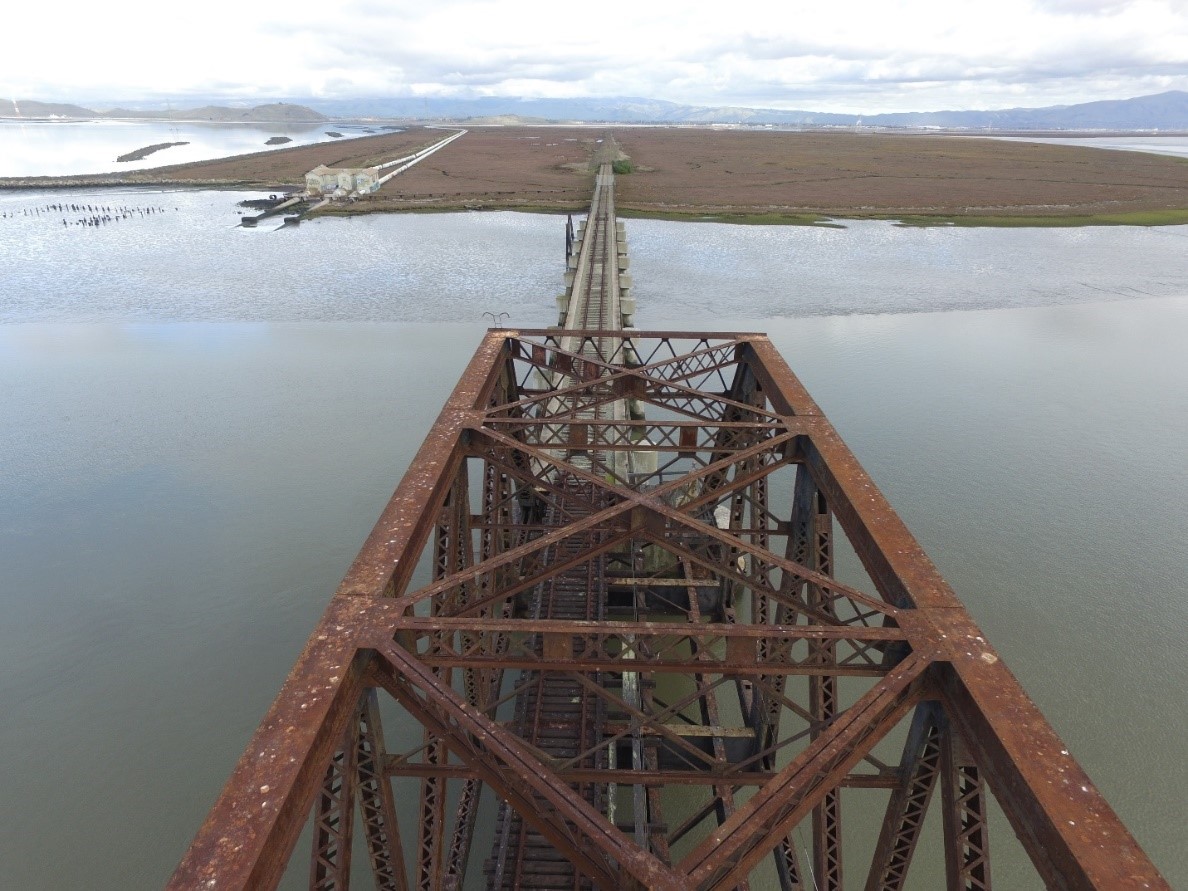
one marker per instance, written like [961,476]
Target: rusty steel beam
[334,814]
[906,809]
[451,555]
[384,847]
[770,814]
[823,688]
[250,833]
[964,817]
[511,769]
[515,491]
[647,777]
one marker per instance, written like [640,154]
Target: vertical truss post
[452,554]
[479,683]
[761,539]
[797,549]
[763,613]
[823,698]
[432,817]
[967,848]
[710,716]
[918,770]
[376,803]
[500,513]
[334,810]
[742,390]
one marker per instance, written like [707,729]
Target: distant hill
[276,112]
[27,108]
[630,110]
[1164,111]
[273,113]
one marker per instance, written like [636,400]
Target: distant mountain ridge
[28,108]
[1162,111]
[272,113]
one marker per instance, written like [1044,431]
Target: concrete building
[323,180]
[362,180]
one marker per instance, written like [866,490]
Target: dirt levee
[517,167]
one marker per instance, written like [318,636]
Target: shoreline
[833,219]
[915,219]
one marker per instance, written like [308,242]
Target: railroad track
[595,298]
[553,712]
[558,716]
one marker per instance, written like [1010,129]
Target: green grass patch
[738,219]
[362,210]
[622,167]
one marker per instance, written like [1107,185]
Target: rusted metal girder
[724,655]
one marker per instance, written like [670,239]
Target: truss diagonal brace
[908,805]
[755,829]
[505,763]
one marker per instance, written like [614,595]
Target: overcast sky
[847,55]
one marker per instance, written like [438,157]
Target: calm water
[201,423]
[191,262]
[1160,145]
[58,148]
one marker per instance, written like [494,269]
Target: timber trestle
[636,618]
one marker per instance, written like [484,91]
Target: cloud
[867,55]
[1083,7]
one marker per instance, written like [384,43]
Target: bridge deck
[556,715]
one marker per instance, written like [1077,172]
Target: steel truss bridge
[598,639]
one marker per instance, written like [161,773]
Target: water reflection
[62,148]
[1176,146]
